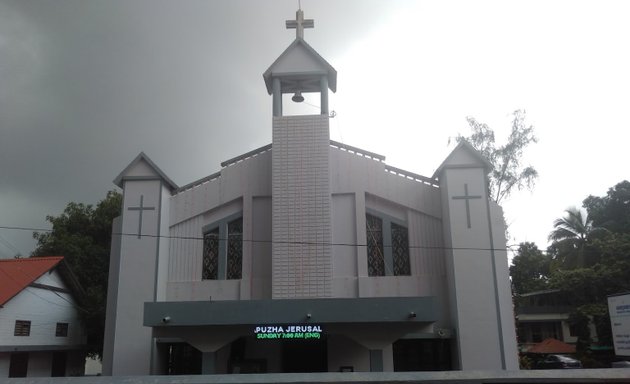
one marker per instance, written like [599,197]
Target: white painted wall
[112,297]
[242,187]
[473,281]
[345,267]
[44,309]
[480,300]
[504,288]
[261,248]
[137,273]
[357,183]
[141,267]
[163,244]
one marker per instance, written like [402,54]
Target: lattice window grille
[235,249]
[375,252]
[210,267]
[387,246]
[400,250]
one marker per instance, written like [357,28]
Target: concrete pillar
[277,98]
[376,360]
[323,84]
[208,363]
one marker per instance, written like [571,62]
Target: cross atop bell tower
[299,24]
[300,69]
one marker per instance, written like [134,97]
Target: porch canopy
[290,311]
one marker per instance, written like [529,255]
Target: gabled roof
[315,59]
[143,157]
[17,274]
[552,346]
[473,155]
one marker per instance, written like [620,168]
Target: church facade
[308,255]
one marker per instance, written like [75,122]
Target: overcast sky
[86,85]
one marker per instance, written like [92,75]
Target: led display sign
[288,332]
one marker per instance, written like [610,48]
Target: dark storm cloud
[87,85]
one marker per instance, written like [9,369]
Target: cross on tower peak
[300,23]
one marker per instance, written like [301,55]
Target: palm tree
[572,233]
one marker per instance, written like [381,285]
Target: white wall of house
[560,318]
[44,308]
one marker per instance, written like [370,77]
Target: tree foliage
[613,210]
[82,234]
[507,171]
[587,261]
[530,269]
[571,235]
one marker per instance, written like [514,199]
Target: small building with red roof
[41,333]
[551,345]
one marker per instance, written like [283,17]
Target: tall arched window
[223,249]
[387,246]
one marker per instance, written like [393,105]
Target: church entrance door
[300,356]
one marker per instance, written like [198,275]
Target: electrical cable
[508,247]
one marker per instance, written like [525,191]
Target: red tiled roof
[17,274]
[551,346]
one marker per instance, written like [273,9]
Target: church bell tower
[301,194]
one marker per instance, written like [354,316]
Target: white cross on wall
[467,198]
[141,208]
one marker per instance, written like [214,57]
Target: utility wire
[431,247]
[26,228]
[10,246]
[319,243]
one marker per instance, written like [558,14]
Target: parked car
[558,362]
[621,364]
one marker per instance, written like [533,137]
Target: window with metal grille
[235,249]
[400,250]
[22,328]
[375,251]
[210,269]
[223,249]
[387,246]
[61,330]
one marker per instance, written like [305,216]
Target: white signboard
[619,309]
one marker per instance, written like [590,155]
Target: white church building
[308,255]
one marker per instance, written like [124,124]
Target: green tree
[530,269]
[588,288]
[604,269]
[507,171]
[613,210]
[82,234]
[571,235]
